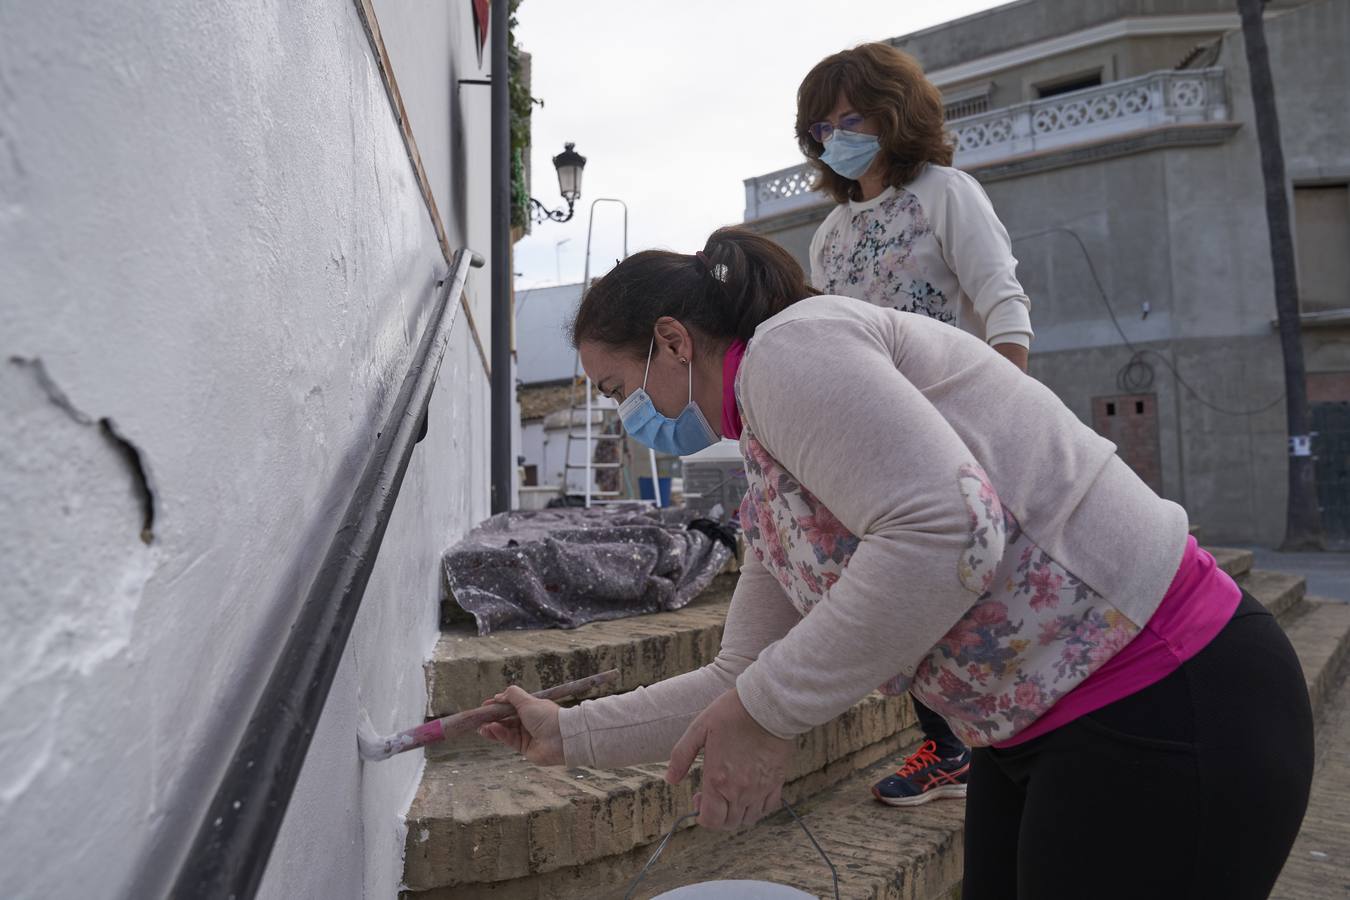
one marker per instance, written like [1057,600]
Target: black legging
[936,729]
[1192,788]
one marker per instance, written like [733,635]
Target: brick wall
[1131,422]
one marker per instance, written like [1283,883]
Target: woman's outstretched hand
[743,765]
[533,731]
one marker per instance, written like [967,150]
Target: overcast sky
[674,104]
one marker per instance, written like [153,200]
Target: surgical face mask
[850,154]
[687,433]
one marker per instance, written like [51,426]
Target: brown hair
[888,86]
[762,280]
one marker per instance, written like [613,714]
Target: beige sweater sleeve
[643,725]
[823,395]
[976,246]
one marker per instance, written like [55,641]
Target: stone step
[465,668]
[1319,864]
[483,815]
[1232,560]
[880,852]
[1279,592]
[1321,635]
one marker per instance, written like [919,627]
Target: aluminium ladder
[612,466]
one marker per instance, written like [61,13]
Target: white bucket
[735,890]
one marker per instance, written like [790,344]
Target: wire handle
[834,873]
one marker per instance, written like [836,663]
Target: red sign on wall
[480,20]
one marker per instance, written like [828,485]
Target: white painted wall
[211,236]
[431,43]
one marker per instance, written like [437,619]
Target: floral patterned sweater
[921,516]
[934,246]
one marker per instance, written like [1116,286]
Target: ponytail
[738,280]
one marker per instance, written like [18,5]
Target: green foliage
[522,104]
[520,195]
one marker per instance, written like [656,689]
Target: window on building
[1079,82]
[966,102]
[963,108]
[1322,233]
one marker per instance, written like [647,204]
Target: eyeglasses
[824,131]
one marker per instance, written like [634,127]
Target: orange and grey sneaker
[925,776]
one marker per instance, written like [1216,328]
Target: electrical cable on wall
[1137,375]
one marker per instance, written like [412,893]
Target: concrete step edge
[464,668]
[1233,560]
[1321,637]
[609,876]
[880,852]
[483,815]
[1280,592]
[1318,867]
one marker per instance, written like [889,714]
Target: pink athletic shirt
[731,416]
[1199,602]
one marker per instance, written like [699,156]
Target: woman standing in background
[913,234]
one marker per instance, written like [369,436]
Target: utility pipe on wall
[502,465]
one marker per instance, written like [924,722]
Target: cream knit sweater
[920,516]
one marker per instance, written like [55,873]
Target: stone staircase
[485,823]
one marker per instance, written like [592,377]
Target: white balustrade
[1094,115]
[779,192]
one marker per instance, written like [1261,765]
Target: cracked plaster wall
[216,264]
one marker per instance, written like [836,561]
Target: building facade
[546,373]
[1117,143]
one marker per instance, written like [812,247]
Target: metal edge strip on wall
[366,10]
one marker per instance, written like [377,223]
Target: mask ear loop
[648,371]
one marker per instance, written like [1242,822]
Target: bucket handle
[632,888]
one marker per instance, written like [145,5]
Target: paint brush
[373,746]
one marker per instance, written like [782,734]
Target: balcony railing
[1094,115]
[779,192]
[1149,101]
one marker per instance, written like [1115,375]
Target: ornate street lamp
[569,164]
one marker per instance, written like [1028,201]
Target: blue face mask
[850,153]
[689,433]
